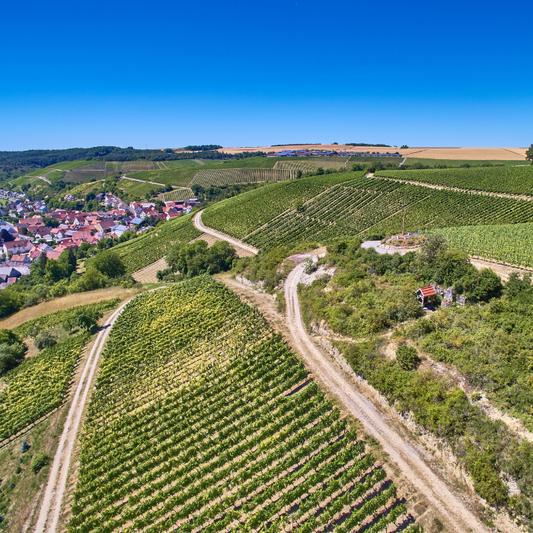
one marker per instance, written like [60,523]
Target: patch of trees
[202,147]
[529,153]
[11,350]
[10,161]
[194,259]
[366,144]
[50,278]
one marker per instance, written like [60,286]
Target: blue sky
[167,74]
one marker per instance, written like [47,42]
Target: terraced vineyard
[155,244]
[229,176]
[508,243]
[351,205]
[38,385]
[178,195]
[512,180]
[204,420]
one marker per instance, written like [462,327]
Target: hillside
[221,427]
[322,208]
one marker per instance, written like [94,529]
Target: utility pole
[404,209]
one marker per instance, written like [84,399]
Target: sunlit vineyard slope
[323,208]
[204,420]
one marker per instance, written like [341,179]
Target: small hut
[424,294]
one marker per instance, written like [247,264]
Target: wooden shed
[424,294]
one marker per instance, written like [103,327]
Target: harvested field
[425,152]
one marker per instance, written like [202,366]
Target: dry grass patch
[66,302]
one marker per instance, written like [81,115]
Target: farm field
[508,243]
[310,164]
[178,195]
[230,176]
[450,163]
[243,214]
[425,152]
[511,180]
[80,176]
[38,385]
[178,177]
[184,163]
[156,243]
[136,189]
[204,419]
[324,208]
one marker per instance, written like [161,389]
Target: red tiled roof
[427,291]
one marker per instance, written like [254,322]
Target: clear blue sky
[167,74]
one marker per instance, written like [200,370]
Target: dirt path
[55,489]
[448,505]
[197,221]
[504,271]
[143,181]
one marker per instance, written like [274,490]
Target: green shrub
[407,357]
[45,340]
[40,460]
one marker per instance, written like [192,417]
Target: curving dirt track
[197,221]
[55,489]
[457,516]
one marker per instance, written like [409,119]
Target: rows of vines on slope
[364,205]
[155,244]
[229,176]
[40,383]
[195,425]
[508,243]
[513,180]
[243,214]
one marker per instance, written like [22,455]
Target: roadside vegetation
[371,298]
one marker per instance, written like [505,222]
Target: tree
[529,153]
[50,222]
[67,263]
[433,246]
[407,357]
[6,236]
[109,264]
[44,340]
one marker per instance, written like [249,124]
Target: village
[37,230]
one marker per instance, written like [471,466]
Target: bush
[24,446]
[40,460]
[45,340]
[407,357]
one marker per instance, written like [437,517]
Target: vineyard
[512,180]
[84,176]
[155,244]
[38,385]
[322,209]
[308,164]
[243,214]
[179,177]
[508,243]
[204,420]
[178,195]
[230,176]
